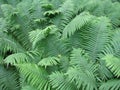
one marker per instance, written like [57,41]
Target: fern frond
[78,22]
[8,43]
[16,58]
[7,10]
[67,12]
[38,35]
[113,64]
[53,46]
[35,76]
[8,79]
[96,36]
[110,85]
[83,79]
[28,87]
[19,58]
[50,61]
[83,75]
[113,47]
[59,81]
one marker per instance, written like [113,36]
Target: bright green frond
[110,85]
[76,24]
[113,64]
[38,35]
[84,79]
[8,43]
[35,76]
[82,71]
[50,61]
[19,58]
[113,47]
[96,36]
[28,88]
[59,81]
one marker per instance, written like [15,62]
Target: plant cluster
[59,44]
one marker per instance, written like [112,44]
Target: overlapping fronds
[80,69]
[76,24]
[110,85]
[59,44]
[19,58]
[96,36]
[35,76]
[113,64]
[50,61]
[8,79]
[59,81]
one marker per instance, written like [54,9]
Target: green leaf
[113,63]
[77,23]
[34,75]
[50,61]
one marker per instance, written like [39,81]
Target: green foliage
[8,79]
[50,61]
[59,44]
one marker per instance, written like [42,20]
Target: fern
[79,71]
[38,35]
[27,87]
[59,44]
[110,85]
[113,46]
[50,61]
[6,76]
[59,82]
[96,36]
[19,58]
[78,22]
[34,75]
[113,64]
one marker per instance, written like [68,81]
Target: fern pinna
[59,44]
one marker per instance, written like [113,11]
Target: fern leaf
[8,43]
[96,36]
[59,82]
[113,46]
[38,35]
[27,87]
[78,22]
[50,61]
[110,85]
[35,76]
[84,76]
[6,76]
[19,58]
[113,64]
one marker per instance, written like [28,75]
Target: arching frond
[110,85]
[96,36]
[113,64]
[36,36]
[67,12]
[35,76]
[19,58]
[53,46]
[78,22]
[8,79]
[8,43]
[113,47]
[50,61]
[7,10]
[27,87]
[59,81]
[84,76]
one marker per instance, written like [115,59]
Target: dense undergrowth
[59,44]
